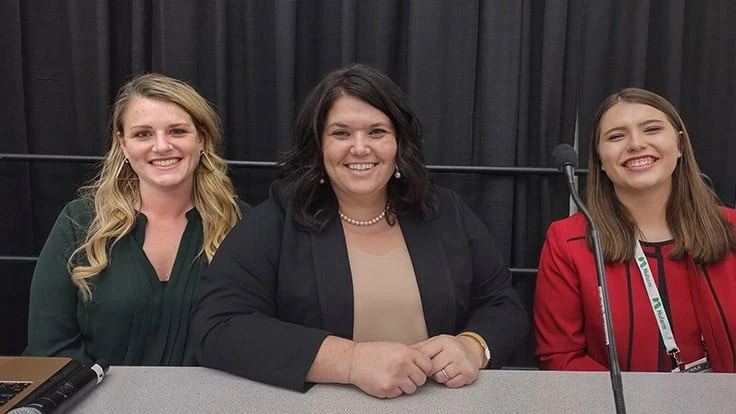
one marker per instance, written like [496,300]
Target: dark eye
[340,133]
[142,134]
[653,129]
[378,132]
[179,131]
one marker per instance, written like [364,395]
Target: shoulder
[78,212]
[565,245]
[242,206]
[450,207]
[277,202]
[72,224]
[260,230]
[80,206]
[454,213]
[266,213]
[443,192]
[446,198]
[730,214]
[569,228]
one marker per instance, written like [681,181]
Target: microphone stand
[615,370]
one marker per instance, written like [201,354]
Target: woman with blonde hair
[117,274]
[669,247]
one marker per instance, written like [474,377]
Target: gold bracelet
[482,342]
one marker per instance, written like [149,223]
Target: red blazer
[567,313]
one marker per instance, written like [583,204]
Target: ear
[201,139]
[121,140]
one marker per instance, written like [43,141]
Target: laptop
[21,377]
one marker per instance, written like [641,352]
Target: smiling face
[161,143]
[638,147]
[359,150]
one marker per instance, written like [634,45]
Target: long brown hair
[693,214]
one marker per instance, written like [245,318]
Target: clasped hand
[389,369]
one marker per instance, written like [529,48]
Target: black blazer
[274,290]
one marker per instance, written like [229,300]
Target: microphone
[70,390]
[566,160]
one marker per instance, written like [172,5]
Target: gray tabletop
[202,390]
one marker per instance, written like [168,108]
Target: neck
[362,209]
[171,204]
[649,211]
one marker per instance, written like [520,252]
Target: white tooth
[640,162]
[360,167]
[164,163]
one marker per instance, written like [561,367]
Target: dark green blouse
[132,318]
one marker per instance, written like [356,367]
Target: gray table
[202,390]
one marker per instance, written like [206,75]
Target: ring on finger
[445,374]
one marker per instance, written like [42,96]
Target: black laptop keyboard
[9,389]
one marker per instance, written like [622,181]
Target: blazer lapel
[433,274]
[334,279]
[710,319]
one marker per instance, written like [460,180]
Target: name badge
[696,367]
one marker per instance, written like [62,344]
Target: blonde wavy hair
[115,189]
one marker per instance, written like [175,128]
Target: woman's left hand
[456,361]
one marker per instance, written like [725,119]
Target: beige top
[386,297]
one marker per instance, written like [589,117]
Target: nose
[360,145]
[637,142]
[161,144]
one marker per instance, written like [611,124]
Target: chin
[171,182]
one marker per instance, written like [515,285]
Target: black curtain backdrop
[683,50]
[495,83]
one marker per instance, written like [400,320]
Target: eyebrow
[373,125]
[641,124]
[177,125]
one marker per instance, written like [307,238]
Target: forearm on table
[332,362]
[503,327]
[570,361]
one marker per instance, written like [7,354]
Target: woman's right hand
[387,369]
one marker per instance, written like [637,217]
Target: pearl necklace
[370,222]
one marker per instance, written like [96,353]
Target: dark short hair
[303,165]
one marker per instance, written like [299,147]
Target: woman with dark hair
[669,247]
[361,272]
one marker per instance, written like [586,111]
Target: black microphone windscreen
[563,155]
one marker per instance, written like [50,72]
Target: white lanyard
[657,306]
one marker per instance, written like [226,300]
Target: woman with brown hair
[669,247]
